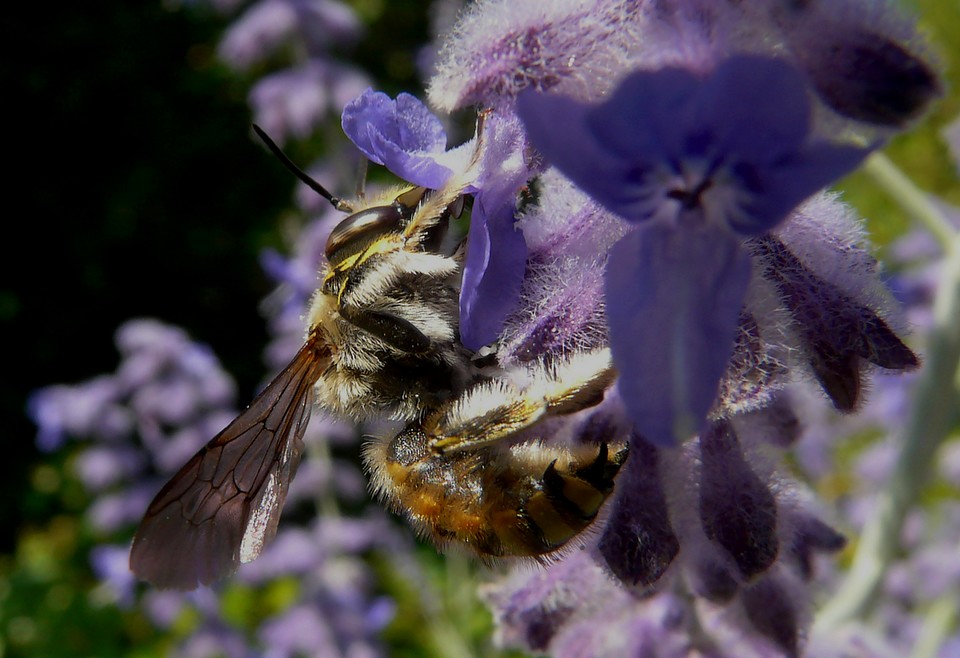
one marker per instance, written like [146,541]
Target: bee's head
[424,231]
[365,226]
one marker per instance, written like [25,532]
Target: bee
[382,341]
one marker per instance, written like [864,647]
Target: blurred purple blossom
[118,509]
[266,25]
[292,102]
[110,564]
[100,467]
[164,380]
[60,411]
[339,608]
[215,640]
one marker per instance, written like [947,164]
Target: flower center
[690,198]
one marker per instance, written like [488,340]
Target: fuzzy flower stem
[914,200]
[934,409]
[939,620]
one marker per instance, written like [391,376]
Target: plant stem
[937,625]
[933,411]
[910,197]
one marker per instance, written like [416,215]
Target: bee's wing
[223,506]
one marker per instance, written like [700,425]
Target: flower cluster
[292,102]
[138,425]
[657,168]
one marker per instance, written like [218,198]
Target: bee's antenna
[337,202]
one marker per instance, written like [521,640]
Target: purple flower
[88,410]
[215,640]
[100,467]
[110,564]
[496,250]
[163,607]
[292,102]
[730,148]
[695,164]
[402,135]
[860,62]
[267,25]
[410,141]
[300,631]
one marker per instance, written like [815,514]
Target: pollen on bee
[397,473]
[506,526]
[425,504]
[464,523]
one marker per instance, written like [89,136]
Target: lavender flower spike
[696,164]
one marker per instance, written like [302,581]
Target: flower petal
[649,116]
[738,511]
[750,107]
[864,74]
[558,127]
[755,107]
[402,135]
[767,193]
[496,249]
[639,543]
[673,300]
[492,273]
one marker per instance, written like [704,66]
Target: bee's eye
[364,225]
[372,222]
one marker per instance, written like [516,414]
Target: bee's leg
[563,501]
[569,496]
[496,408]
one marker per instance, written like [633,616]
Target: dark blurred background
[136,188]
[133,189]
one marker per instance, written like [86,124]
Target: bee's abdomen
[523,501]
